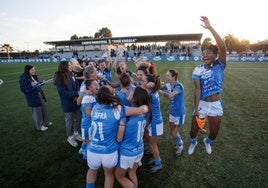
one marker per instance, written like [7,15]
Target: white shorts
[156,129]
[210,108]
[95,160]
[179,120]
[126,162]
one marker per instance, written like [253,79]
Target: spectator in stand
[68,87]
[208,79]
[35,97]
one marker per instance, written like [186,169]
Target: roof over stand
[131,39]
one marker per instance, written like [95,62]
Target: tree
[7,48]
[103,33]
[74,37]
[86,37]
[234,44]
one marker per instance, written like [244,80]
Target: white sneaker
[49,124]
[43,128]
[72,141]
[192,147]
[178,151]
[77,136]
[208,147]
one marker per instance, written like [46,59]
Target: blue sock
[85,155]
[90,185]
[83,145]
[178,140]
[193,140]
[157,161]
[208,140]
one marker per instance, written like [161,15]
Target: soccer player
[152,83]
[108,119]
[87,104]
[104,72]
[90,73]
[131,148]
[107,129]
[126,88]
[174,91]
[208,79]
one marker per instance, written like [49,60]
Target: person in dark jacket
[68,87]
[35,97]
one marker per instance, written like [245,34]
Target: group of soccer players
[119,118]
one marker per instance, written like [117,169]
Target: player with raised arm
[208,79]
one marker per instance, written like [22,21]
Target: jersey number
[97,129]
[141,127]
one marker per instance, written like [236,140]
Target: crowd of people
[119,121]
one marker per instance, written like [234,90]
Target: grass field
[44,159]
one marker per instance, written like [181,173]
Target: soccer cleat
[208,147]
[156,168]
[77,136]
[151,162]
[178,151]
[192,147]
[72,141]
[43,128]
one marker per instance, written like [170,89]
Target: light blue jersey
[123,97]
[132,143]
[104,125]
[87,101]
[106,74]
[156,110]
[211,78]
[177,107]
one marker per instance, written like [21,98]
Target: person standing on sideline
[174,91]
[35,97]
[208,79]
[68,87]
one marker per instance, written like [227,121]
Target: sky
[27,24]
